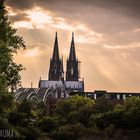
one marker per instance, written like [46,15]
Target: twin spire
[56,64]
[72,55]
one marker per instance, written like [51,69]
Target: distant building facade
[56,73]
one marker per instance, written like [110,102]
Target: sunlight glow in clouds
[10,11]
[90,37]
[32,52]
[38,19]
[23,24]
[136,30]
[63,25]
[128,46]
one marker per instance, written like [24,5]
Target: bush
[4,123]
[109,131]
[69,132]
[75,109]
[17,118]
[25,107]
[30,133]
[47,124]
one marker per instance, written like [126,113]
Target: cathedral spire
[55,56]
[72,55]
[72,63]
[56,64]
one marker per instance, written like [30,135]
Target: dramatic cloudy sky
[107,38]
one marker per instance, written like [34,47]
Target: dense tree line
[77,118]
[74,118]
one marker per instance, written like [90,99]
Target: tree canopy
[10,42]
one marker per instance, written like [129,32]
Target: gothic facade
[68,81]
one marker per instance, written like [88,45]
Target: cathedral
[56,76]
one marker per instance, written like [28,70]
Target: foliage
[4,124]
[47,124]
[69,132]
[115,124]
[10,42]
[124,118]
[41,109]
[132,102]
[72,110]
[29,133]
[25,106]
[104,104]
[6,102]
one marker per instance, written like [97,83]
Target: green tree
[29,133]
[48,124]
[21,115]
[132,102]
[10,42]
[103,104]
[25,107]
[69,132]
[75,109]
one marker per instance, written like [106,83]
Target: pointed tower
[56,64]
[72,55]
[72,73]
[55,56]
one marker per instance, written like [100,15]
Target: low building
[100,93]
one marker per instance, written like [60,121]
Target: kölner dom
[57,86]
[56,72]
